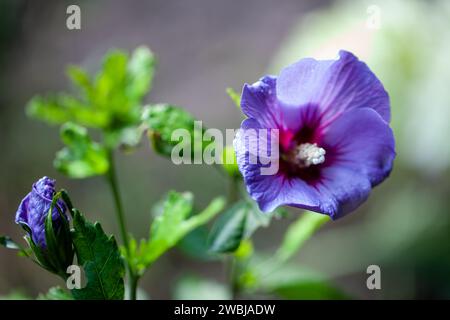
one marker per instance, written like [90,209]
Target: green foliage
[81,157]
[238,223]
[110,101]
[298,233]
[195,244]
[162,120]
[229,229]
[101,260]
[59,252]
[61,108]
[55,293]
[170,227]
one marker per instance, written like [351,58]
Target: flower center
[307,154]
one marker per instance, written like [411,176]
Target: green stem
[233,196]
[234,288]
[112,180]
[133,286]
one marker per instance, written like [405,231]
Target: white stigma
[308,154]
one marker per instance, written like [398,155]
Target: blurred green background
[202,48]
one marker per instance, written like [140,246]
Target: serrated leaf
[171,226]
[101,260]
[110,100]
[81,157]
[58,109]
[229,230]
[162,120]
[55,293]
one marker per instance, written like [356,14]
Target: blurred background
[203,47]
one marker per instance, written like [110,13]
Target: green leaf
[110,82]
[229,230]
[141,69]
[235,97]
[7,242]
[59,251]
[162,120]
[195,244]
[81,158]
[170,227]
[55,293]
[58,109]
[101,260]
[237,224]
[81,79]
[110,100]
[127,139]
[298,233]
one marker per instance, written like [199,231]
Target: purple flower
[34,208]
[335,142]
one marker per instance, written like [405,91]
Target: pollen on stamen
[307,154]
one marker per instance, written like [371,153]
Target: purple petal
[354,163]
[361,141]
[34,208]
[259,101]
[340,191]
[269,191]
[21,214]
[335,86]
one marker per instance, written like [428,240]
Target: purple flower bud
[34,208]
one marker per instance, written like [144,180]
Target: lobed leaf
[81,157]
[101,260]
[162,120]
[170,227]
